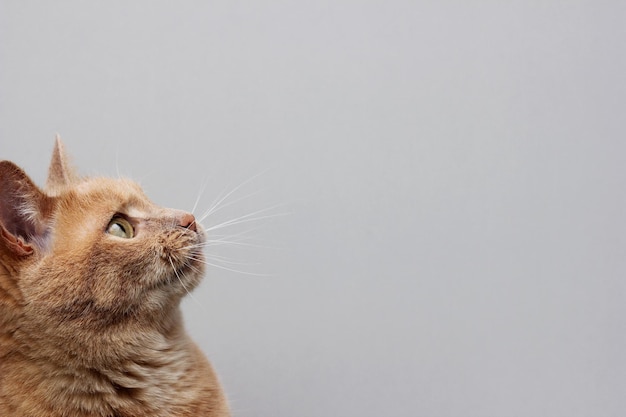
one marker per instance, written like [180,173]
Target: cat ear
[60,173]
[24,211]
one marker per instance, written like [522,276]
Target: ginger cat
[91,278]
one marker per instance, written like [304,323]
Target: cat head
[93,250]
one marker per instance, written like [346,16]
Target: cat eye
[120,227]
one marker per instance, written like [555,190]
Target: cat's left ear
[25,212]
[61,174]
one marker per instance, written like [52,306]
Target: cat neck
[90,343]
[121,369]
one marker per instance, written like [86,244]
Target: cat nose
[188,221]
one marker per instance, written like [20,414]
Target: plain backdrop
[433,193]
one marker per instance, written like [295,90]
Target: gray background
[445,182]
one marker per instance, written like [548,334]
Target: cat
[91,277]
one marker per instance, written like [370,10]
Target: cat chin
[163,299]
[179,282]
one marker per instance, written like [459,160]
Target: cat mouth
[183,259]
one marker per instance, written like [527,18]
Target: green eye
[120,227]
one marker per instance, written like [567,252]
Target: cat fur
[90,324]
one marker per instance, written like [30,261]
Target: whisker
[142,178]
[237,239]
[225,260]
[235,243]
[233,270]
[177,275]
[202,188]
[243,235]
[117,160]
[220,242]
[183,284]
[249,218]
[215,205]
[221,238]
[230,203]
[193,268]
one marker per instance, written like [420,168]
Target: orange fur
[90,324]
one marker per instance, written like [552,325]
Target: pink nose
[188,221]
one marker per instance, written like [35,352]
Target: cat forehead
[121,191]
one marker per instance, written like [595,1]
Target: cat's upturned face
[98,250]
[111,252]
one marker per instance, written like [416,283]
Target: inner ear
[60,173]
[25,211]
[15,244]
